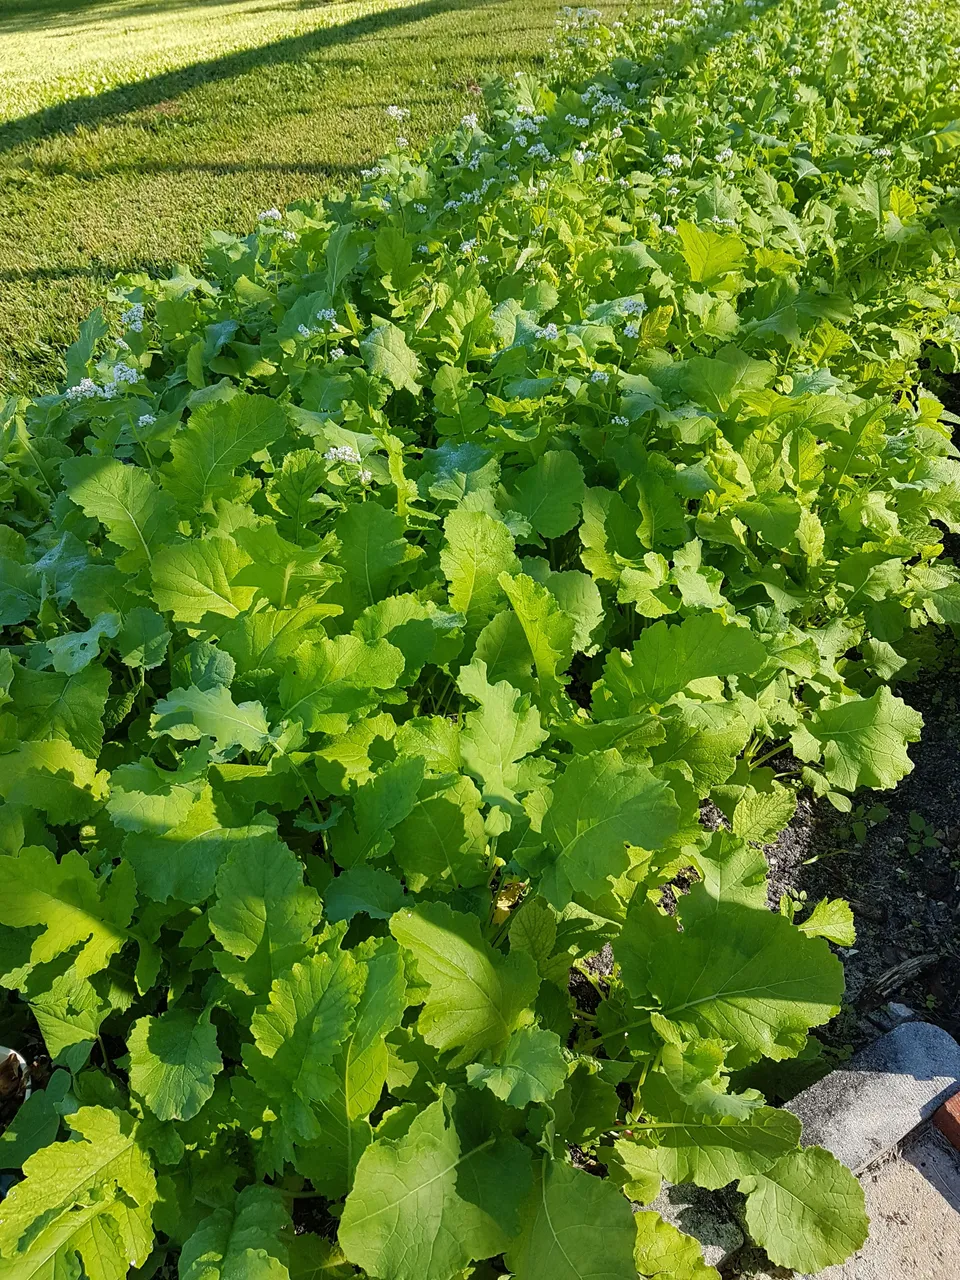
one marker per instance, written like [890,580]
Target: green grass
[128,129]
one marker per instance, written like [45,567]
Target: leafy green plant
[381,609]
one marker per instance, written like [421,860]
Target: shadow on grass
[219,168]
[21,16]
[92,111]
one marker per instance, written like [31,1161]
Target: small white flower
[549,332]
[673,161]
[289,236]
[598,375]
[132,318]
[620,421]
[630,331]
[303,331]
[269,215]
[365,476]
[327,314]
[342,453]
[83,390]
[398,113]
[468,246]
[469,121]
[616,132]
[723,155]
[482,257]
[634,306]
[337,353]
[402,143]
[420,208]
[146,420]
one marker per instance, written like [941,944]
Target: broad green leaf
[75,650]
[477,996]
[549,494]
[190,714]
[807,1211]
[372,554]
[379,806]
[388,356]
[736,973]
[531,1068]
[174,1061]
[53,777]
[709,257]
[667,659]
[404,1218]
[264,915]
[863,742]
[298,1033]
[137,516]
[146,798]
[495,739]
[218,438]
[329,684]
[574,1227]
[245,1241]
[477,549]
[441,842]
[600,804]
[51,704]
[662,1250]
[192,579]
[708,1149]
[143,639]
[73,907]
[182,862]
[549,631]
[364,889]
[86,1201]
[36,1122]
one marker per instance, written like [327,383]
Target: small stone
[700,1214]
[885,1091]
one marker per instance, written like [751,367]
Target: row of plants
[459,576]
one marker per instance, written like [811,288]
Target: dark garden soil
[900,872]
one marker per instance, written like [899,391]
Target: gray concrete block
[703,1215]
[913,1198]
[866,1107]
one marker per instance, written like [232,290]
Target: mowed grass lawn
[128,129]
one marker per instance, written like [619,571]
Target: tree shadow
[65,117]
[23,16]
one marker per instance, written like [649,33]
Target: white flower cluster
[548,332]
[146,420]
[598,375]
[342,453]
[634,306]
[132,318]
[398,113]
[578,122]
[469,121]
[327,315]
[87,389]
[269,215]
[673,160]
